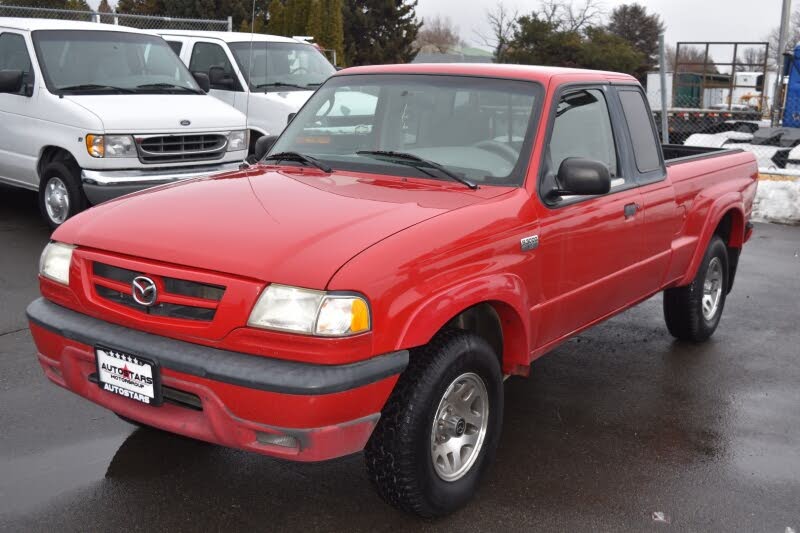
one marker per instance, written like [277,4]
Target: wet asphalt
[612,428]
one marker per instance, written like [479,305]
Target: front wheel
[439,430]
[60,193]
[693,312]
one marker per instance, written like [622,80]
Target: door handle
[631,209]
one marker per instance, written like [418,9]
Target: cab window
[14,56]
[582,128]
[211,59]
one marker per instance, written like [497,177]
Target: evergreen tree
[314,21]
[632,23]
[276,24]
[335,35]
[380,31]
[105,7]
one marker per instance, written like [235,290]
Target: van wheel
[439,429]
[692,313]
[60,193]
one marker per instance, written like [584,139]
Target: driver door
[213,60]
[587,245]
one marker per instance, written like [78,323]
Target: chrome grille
[176,148]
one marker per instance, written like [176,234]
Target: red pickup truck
[416,234]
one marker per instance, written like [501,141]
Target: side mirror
[10,81]
[263,144]
[584,177]
[218,79]
[202,80]
[290,117]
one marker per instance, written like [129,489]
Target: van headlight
[237,140]
[110,146]
[55,261]
[297,310]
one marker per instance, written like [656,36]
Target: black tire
[683,306]
[69,175]
[398,454]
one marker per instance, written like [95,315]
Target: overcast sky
[686,20]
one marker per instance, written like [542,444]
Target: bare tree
[792,38]
[691,60]
[502,23]
[565,15]
[752,59]
[437,35]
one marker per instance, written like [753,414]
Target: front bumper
[239,400]
[102,185]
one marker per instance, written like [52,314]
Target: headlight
[110,146]
[311,312]
[55,261]
[237,140]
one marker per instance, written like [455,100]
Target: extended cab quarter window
[14,56]
[645,145]
[211,59]
[582,128]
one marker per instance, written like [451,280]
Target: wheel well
[731,230]
[500,325]
[51,154]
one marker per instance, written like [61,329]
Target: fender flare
[730,202]
[505,292]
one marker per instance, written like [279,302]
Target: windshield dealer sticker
[126,375]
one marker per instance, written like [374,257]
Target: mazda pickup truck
[371,282]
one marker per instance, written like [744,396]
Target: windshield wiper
[297,156]
[279,84]
[146,86]
[95,87]
[411,158]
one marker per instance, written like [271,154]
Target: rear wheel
[439,430]
[60,193]
[693,312]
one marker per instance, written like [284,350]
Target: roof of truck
[523,72]
[231,36]
[31,24]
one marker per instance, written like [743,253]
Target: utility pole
[662,74]
[786,14]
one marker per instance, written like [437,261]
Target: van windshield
[282,66]
[110,62]
[426,126]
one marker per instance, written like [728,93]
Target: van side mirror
[263,144]
[10,81]
[202,81]
[584,177]
[290,117]
[218,79]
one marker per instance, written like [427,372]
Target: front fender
[507,295]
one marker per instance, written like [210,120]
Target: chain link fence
[146,22]
[744,122]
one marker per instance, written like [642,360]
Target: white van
[282,75]
[92,111]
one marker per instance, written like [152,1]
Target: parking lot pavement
[612,427]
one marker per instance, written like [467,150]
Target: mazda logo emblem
[144,291]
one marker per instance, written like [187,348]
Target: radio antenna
[250,72]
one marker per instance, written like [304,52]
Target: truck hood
[160,113]
[296,228]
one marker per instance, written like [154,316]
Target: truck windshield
[281,66]
[110,62]
[480,129]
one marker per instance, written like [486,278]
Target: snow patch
[777,201]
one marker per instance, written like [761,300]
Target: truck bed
[678,153]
